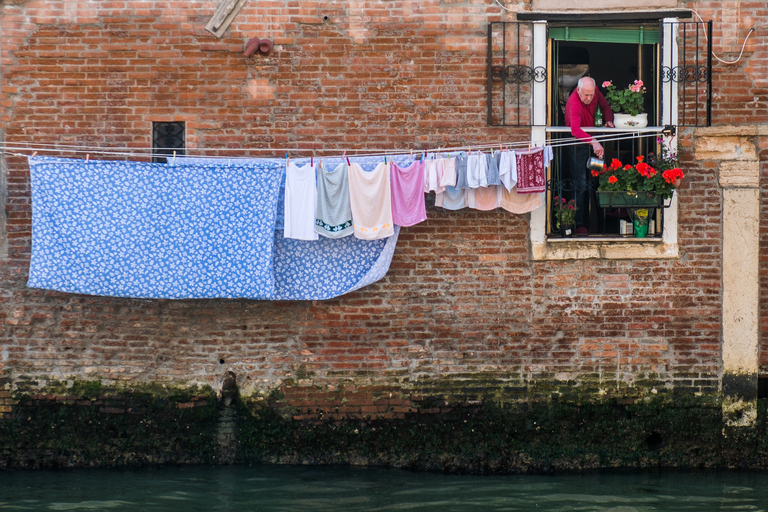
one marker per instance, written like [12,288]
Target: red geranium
[656,177]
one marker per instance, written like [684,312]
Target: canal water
[298,489]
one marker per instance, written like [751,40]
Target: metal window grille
[511,74]
[167,138]
[600,219]
[689,82]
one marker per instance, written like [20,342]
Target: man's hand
[609,124]
[597,148]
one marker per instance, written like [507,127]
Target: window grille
[601,220]
[167,138]
[689,82]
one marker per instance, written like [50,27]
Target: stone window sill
[603,248]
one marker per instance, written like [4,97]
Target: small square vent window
[167,138]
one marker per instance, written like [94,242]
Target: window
[621,54]
[530,64]
[167,139]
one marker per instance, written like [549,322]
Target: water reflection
[298,489]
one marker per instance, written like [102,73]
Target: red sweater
[578,114]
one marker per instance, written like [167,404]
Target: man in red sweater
[580,111]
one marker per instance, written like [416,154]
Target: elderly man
[580,111]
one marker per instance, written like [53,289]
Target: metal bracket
[669,131]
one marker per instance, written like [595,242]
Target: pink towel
[530,171]
[408,204]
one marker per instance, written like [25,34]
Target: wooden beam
[222,18]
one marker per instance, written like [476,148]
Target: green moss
[486,425]
[537,436]
[100,428]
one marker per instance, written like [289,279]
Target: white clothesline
[31,148]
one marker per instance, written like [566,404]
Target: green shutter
[631,35]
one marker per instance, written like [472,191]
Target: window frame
[544,248]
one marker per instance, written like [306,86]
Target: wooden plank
[222,18]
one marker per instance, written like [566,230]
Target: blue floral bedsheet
[195,230]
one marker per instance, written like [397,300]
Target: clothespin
[87,157]
[529,148]
[286,159]
[33,154]
[312,161]
[411,153]
[173,160]
[500,148]
[229,162]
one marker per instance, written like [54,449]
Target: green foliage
[628,101]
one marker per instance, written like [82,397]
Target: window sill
[603,248]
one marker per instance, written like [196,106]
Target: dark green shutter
[631,35]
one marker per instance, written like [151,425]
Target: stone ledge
[603,249]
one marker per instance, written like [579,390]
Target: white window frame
[608,247]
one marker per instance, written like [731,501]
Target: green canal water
[297,489]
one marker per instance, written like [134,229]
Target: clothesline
[27,149]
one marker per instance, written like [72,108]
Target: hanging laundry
[531,177]
[198,231]
[446,169]
[519,203]
[452,198]
[492,169]
[432,170]
[408,203]
[461,170]
[370,198]
[508,169]
[333,218]
[329,267]
[184,232]
[549,155]
[477,170]
[300,202]
[485,198]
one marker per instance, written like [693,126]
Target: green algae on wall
[102,426]
[92,425]
[662,431]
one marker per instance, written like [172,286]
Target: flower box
[622,199]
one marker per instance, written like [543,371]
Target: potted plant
[641,184]
[565,215]
[627,104]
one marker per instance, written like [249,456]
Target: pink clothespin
[344,155]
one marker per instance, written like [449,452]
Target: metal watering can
[595,164]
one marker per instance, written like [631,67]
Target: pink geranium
[629,101]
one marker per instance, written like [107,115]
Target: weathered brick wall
[463,301]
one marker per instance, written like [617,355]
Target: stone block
[739,174]
[730,147]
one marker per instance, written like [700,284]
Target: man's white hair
[587,78]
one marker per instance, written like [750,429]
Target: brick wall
[6,402]
[463,301]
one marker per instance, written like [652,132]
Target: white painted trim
[619,248]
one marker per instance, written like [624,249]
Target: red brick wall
[463,301]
